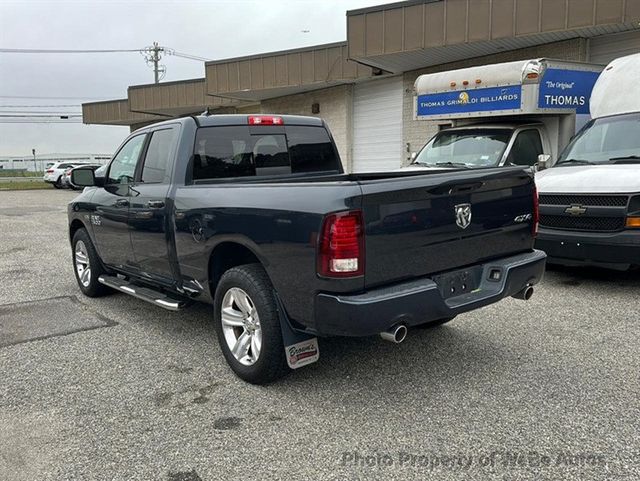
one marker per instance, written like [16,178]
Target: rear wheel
[248,326]
[87,266]
[57,184]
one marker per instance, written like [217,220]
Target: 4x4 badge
[463,215]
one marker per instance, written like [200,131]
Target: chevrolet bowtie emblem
[575,209]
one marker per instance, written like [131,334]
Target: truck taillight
[536,211]
[264,120]
[341,245]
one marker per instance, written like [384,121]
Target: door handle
[122,203]
[155,204]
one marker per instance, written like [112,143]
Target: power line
[38,112]
[152,55]
[41,106]
[41,50]
[40,115]
[187,55]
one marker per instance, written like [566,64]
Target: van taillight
[341,245]
[536,211]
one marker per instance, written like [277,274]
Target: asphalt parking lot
[116,389]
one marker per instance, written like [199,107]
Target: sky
[213,29]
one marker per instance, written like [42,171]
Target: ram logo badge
[463,215]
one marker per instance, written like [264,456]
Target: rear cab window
[224,152]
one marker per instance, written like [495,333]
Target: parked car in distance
[66,177]
[54,173]
[254,215]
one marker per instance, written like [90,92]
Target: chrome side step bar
[146,294]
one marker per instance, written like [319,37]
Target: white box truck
[590,199]
[503,114]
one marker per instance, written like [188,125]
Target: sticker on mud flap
[302,353]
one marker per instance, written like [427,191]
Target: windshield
[468,147]
[605,140]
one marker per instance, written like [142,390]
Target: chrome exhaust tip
[525,294]
[396,334]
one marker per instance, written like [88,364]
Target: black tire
[57,184]
[436,323]
[93,288]
[271,363]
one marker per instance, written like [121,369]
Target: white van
[503,114]
[590,199]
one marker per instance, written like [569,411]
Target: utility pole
[153,55]
[35,166]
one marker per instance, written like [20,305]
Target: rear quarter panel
[279,223]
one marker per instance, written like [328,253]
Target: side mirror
[83,177]
[413,156]
[543,162]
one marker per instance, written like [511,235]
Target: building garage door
[377,125]
[604,49]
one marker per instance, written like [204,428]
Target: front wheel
[87,265]
[248,326]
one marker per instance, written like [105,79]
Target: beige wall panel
[527,16]
[293,64]
[355,35]
[632,11]
[256,73]
[210,78]
[244,69]
[479,20]
[434,24]
[413,27]
[609,11]
[335,63]
[580,13]
[393,30]
[362,71]
[502,18]
[306,67]
[456,21]
[222,77]
[553,15]
[282,76]
[374,29]
[147,96]
[269,70]
[320,65]
[232,77]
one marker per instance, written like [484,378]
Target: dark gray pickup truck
[254,215]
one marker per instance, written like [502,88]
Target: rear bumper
[618,250]
[421,300]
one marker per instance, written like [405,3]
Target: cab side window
[123,167]
[158,156]
[526,148]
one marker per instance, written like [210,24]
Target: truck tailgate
[415,226]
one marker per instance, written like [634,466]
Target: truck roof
[243,119]
[615,91]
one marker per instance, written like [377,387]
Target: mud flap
[301,348]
